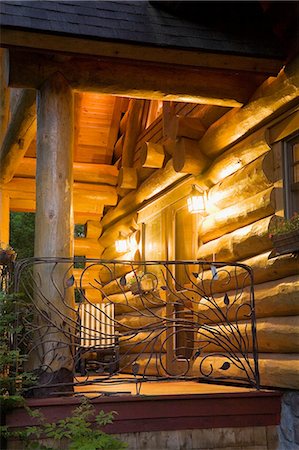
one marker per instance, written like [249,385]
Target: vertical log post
[54,233]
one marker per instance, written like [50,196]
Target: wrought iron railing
[93,322]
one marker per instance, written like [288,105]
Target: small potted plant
[285,236]
[7,255]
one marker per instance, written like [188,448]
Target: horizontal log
[20,132]
[271,299]
[238,215]
[134,79]
[128,302]
[187,157]
[134,241]
[152,155]
[127,225]
[150,364]
[276,370]
[274,335]
[88,279]
[101,193]
[156,183]
[127,178]
[93,229]
[246,182]
[152,341]
[183,126]
[84,209]
[83,172]
[264,269]
[93,295]
[237,157]
[270,97]
[115,287]
[113,271]
[87,247]
[284,128]
[140,319]
[241,243]
[82,217]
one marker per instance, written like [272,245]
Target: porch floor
[119,385]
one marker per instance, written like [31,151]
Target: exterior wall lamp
[122,244]
[197,201]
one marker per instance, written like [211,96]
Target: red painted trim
[167,412]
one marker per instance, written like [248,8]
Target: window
[291,176]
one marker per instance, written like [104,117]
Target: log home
[115,116]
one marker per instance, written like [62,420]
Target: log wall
[242,207]
[243,184]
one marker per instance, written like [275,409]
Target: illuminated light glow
[122,244]
[196,201]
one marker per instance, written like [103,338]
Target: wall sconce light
[197,201]
[122,244]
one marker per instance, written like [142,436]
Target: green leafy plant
[285,226]
[13,379]
[81,431]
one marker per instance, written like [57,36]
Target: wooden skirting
[168,412]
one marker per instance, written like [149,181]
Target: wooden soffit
[36,41]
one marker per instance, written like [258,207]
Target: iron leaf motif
[225,366]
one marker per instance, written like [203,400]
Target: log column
[54,230]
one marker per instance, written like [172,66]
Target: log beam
[274,95]
[156,183]
[134,79]
[176,126]
[26,187]
[152,155]
[19,135]
[187,157]
[83,172]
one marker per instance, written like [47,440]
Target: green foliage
[13,310]
[285,226]
[22,227]
[76,430]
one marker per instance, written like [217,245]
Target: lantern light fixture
[197,201]
[122,244]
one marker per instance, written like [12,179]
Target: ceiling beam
[20,133]
[134,79]
[83,172]
[83,192]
